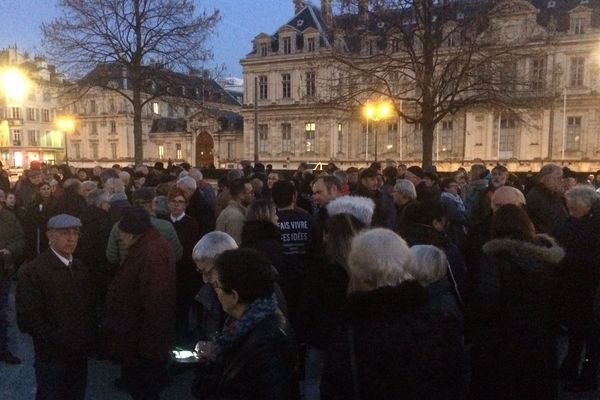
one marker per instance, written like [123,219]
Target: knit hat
[361,208]
[416,170]
[135,220]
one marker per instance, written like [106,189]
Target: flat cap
[63,221]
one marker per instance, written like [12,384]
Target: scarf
[235,330]
[454,198]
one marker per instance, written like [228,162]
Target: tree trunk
[138,149]
[428,132]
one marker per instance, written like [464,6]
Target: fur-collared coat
[512,318]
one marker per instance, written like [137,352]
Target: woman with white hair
[390,343]
[580,236]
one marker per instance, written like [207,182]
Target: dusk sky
[241,21]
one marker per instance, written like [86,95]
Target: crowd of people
[379,283]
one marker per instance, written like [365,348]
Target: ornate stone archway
[205,146]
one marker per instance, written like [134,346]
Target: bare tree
[129,39]
[432,59]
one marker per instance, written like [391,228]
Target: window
[310,44]
[286,85]
[15,112]
[446,136]
[161,151]
[113,127]
[370,47]
[94,148]
[263,50]
[417,139]
[34,137]
[111,106]
[310,84]
[287,45]
[155,107]
[392,134]
[310,136]
[538,74]
[453,39]
[573,133]
[262,87]
[286,137]
[395,45]
[508,130]
[16,136]
[93,108]
[577,68]
[77,150]
[230,150]
[178,153]
[93,128]
[340,134]
[113,150]
[171,110]
[30,114]
[579,26]
[46,115]
[263,136]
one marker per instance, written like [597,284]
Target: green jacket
[115,251]
[11,238]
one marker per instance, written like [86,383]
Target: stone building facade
[28,129]
[285,99]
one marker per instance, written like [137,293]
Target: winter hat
[361,208]
[135,220]
[417,171]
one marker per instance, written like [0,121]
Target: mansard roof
[168,125]
[198,87]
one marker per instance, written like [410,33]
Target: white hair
[406,189]
[430,265]
[361,208]
[212,245]
[187,182]
[584,194]
[379,257]
[196,174]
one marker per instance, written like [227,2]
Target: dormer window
[551,4]
[287,45]
[263,50]
[579,23]
[310,44]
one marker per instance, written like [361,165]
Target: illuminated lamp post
[375,112]
[65,124]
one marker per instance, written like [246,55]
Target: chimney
[326,13]
[298,6]
[363,11]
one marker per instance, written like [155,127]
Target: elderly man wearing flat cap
[55,307]
[139,318]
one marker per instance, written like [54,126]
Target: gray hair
[187,182]
[96,197]
[125,176]
[406,189]
[548,169]
[430,265]
[212,245]
[89,185]
[196,174]
[584,194]
[379,257]
[234,174]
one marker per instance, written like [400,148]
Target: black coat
[260,367]
[403,349]
[202,211]
[580,270]
[189,280]
[547,210]
[92,249]
[513,352]
[34,227]
[323,294]
[54,306]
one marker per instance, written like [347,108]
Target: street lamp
[65,124]
[376,112]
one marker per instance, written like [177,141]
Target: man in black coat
[54,306]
